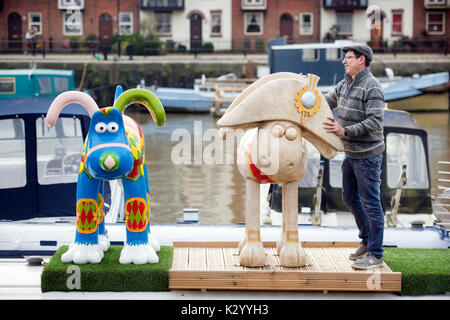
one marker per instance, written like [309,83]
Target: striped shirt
[360,105]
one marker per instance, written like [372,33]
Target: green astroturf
[109,275]
[424,271]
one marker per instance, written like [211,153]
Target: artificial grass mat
[109,275]
[424,271]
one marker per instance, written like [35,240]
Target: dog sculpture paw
[83,253]
[103,242]
[138,254]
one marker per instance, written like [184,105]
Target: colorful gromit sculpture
[113,149]
[275,113]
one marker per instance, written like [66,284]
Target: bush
[74,43]
[144,45]
[208,47]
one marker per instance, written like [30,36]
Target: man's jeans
[361,180]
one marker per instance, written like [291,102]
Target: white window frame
[261,15]
[351,24]
[130,14]
[33,24]
[301,25]
[392,30]
[77,33]
[220,23]
[158,23]
[67,4]
[254,4]
[427,22]
[435,2]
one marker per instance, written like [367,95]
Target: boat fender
[34,261]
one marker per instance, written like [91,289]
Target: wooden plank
[267,244]
[214,258]
[264,280]
[339,260]
[197,259]
[341,244]
[321,263]
[180,258]
[216,267]
[272,256]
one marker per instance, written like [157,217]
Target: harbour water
[218,190]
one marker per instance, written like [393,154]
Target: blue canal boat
[22,83]
[420,93]
[39,166]
[322,59]
[405,169]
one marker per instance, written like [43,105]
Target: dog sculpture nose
[109,161]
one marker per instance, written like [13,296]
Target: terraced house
[223,25]
[190,24]
[56,21]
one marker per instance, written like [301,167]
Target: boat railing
[442,204]
[224,96]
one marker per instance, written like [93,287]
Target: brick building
[58,20]
[431,19]
[254,22]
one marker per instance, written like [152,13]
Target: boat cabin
[39,166]
[406,146]
[21,83]
[322,59]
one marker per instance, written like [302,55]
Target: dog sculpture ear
[146,98]
[65,99]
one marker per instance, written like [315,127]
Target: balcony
[345,5]
[70,4]
[162,5]
[437,4]
[254,4]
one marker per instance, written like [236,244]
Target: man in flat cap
[360,102]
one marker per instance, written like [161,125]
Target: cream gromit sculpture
[276,112]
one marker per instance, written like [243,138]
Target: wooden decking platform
[215,266]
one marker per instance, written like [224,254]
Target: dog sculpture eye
[291,133]
[113,127]
[100,127]
[277,130]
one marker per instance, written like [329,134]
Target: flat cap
[360,48]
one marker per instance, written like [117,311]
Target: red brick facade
[274,17]
[52,17]
[420,21]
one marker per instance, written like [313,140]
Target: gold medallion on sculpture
[307,99]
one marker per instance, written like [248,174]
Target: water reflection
[437,125]
[218,190]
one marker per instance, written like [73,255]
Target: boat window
[406,149]
[13,171]
[313,162]
[59,151]
[310,55]
[333,54]
[336,170]
[7,85]
[61,84]
[45,85]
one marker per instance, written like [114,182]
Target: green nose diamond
[109,161]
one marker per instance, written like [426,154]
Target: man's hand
[334,127]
